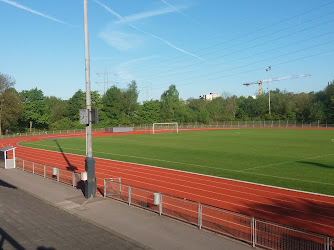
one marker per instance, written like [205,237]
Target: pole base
[90,184]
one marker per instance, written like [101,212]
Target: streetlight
[90,183]
[269,69]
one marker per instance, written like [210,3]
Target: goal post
[166,127]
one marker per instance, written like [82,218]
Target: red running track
[302,210]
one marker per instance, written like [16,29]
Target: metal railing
[253,231]
[57,174]
[256,232]
[53,132]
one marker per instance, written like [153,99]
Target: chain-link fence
[193,125]
[255,232]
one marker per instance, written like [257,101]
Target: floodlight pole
[269,69]
[90,184]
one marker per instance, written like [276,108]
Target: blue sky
[201,46]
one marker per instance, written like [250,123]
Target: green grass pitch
[291,158]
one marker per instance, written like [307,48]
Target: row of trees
[21,111]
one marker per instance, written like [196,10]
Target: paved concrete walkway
[37,213]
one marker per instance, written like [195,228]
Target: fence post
[23,165]
[253,232]
[57,174]
[33,168]
[44,171]
[104,188]
[199,215]
[129,195]
[73,179]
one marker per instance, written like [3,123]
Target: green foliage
[62,124]
[76,102]
[130,101]
[120,106]
[57,108]
[11,110]
[204,116]
[149,112]
[112,104]
[35,109]
[169,102]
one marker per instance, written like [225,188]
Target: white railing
[256,232]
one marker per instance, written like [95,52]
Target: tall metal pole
[269,69]
[269,98]
[90,184]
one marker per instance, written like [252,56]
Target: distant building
[209,97]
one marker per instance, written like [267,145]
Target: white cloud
[147,14]
[147,33]
[32,11]
[138,60]
[120,40]
[173,7]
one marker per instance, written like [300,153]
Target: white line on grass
[203,166]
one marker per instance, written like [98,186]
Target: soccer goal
[165,127]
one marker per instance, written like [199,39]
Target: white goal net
[165,127]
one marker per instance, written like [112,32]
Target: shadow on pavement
[7,185]
[4,237]
[69,165]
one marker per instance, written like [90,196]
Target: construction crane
[275,79]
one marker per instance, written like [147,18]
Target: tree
[129,103]
[327,98]
[11,110]
[318,112]
[302,106]
[204,115]
[169,101]
[184,113]
[6,82]
[76,102]
[36,111]
[112,104]
[57,108]
[149,112]
[231,107]
[216,109]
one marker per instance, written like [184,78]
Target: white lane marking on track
[115,168]
[260,184]
[234,203]
[224,169]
